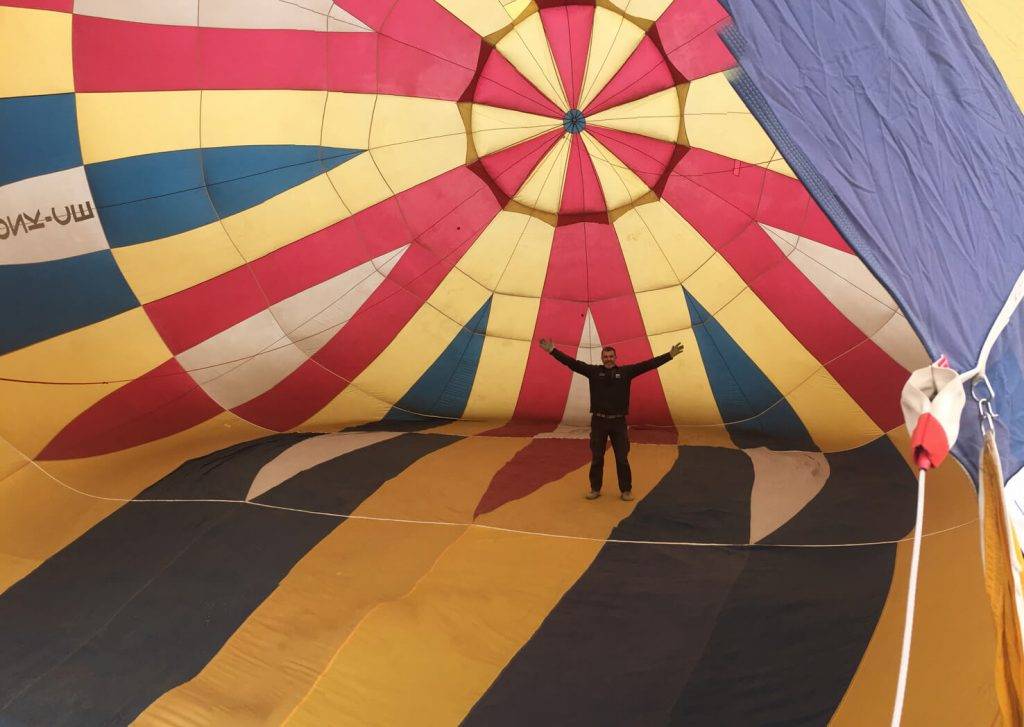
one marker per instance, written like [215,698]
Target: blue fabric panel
[42,300]
[38,135]
[898,121]
[443,390]
[153,196]
[763,418]
[150,196]
[242,177]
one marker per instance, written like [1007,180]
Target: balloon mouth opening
[574,121]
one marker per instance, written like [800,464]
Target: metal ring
[982,379]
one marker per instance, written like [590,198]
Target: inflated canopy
[277,441]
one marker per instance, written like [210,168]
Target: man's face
[608,358]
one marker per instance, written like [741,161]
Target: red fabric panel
[63,6]
[113,55]
[725,208]
[371,12]
[160,403]
[510,168]
[331,251]
[646,157]
[538,463]
[582,191]
[197,313]
[352,64]
[256,58]
[644,72]
[568,32]
[408,71]
[442,218]
[304,392]
[500,84]
[688,32]
[874,381]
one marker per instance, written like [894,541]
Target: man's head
[608,357]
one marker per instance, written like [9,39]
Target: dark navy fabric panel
[242,177]
[38,135]
[897,119]
[141,602]
[151,196]
[754,411]
[443,390]
[46,299]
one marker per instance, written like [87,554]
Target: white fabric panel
[784,482]
[312,317]
[898,339]
[60,208]
[253,356]
[855,291]
[577,406]
[309,453]
[157,12]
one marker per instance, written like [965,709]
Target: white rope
[908,624]
[1013,300]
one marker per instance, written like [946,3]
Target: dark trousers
[601,430]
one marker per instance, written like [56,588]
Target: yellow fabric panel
[685,381]
[508,581]
[543,188]
[355,571]
[359,184]
[815,396]
[526,47]
[612,40]
[290,216]
[158,268]
[715,283]
[659,224]
[717,120]
[496,128]
[117,125]
[647,261]
[117,349]
[488,260]
[35,52]
[11,460]
[619,184]
[503,358]
[424,337]
[656,116]
[527,268]
[39,516]
[664,311]
[833,419]
[240,118]
[347,118]
[1002,568]
[1000,24]
[352,406]
[483,17]
[646,9]
[416,139]
[952,628]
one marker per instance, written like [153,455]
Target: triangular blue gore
[754,411]
[443,390]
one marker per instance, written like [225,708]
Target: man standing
[609,405]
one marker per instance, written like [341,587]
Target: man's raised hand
[676,350]
[546,344]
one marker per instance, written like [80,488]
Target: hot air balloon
[277,441]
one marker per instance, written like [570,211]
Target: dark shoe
[627,496]
[593,494]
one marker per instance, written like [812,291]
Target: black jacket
[609,388]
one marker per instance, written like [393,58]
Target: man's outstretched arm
[577,366]
[653,363]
